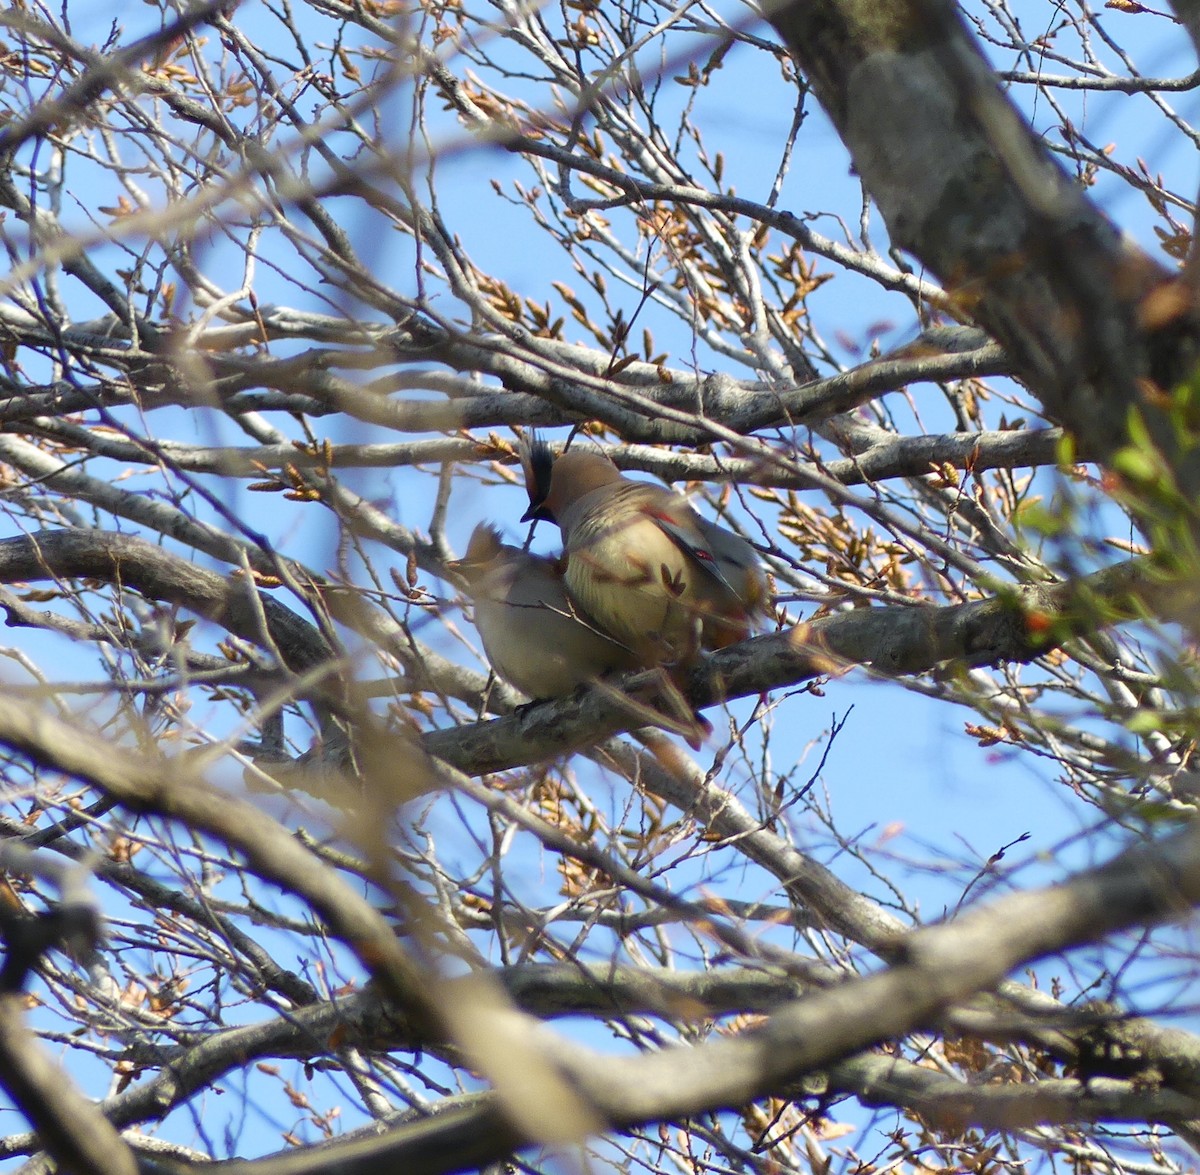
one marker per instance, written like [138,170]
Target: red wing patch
[672,528]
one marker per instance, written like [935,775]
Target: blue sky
[902,775]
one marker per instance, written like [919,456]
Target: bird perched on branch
[640,561]
[535,637]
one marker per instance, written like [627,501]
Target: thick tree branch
[891,640]
[977,198]
[942,965]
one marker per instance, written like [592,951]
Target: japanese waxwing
[640,560]
[534,636]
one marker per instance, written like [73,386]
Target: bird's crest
[538,464]
[484,545]
[537,460]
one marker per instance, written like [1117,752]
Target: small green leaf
[1136,464]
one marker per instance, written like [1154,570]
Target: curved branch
[112,558]
[941,965]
